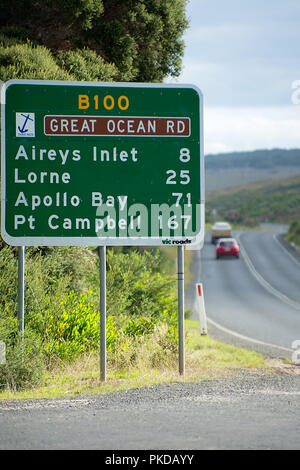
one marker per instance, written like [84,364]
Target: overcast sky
[245,55]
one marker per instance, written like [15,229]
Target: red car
[227,246]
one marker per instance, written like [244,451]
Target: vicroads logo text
[177,242]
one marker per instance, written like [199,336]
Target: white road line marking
[263,282]
[246,338]
[275,236]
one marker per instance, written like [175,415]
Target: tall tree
[124,40]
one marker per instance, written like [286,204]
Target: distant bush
[275,201]
[294,232]
[254,159]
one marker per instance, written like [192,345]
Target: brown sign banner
[120,126]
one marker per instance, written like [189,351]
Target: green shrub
[50,272]
[6,41]
[294,232]
[139,326]
[8,282]
[86,65]
[24,365]
[136,287]
[72,326]
[152,295]
[31,62]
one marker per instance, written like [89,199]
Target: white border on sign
[95,241]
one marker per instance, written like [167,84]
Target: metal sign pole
[102,257]
[180,253]
[21,288]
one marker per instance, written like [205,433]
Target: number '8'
[184,155]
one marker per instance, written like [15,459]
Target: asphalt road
[248,412]
[253,301]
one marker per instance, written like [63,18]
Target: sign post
[103,164]
[102,259]
[180,257]
[21,289]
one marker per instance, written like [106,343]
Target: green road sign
[87,163]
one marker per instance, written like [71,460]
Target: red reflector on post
[201,306]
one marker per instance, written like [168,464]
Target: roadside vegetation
[62,310]
[60,352]
[293,235]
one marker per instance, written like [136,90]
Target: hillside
[233,169]
[273,201]
[254,159]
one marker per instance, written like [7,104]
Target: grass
[205,359]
